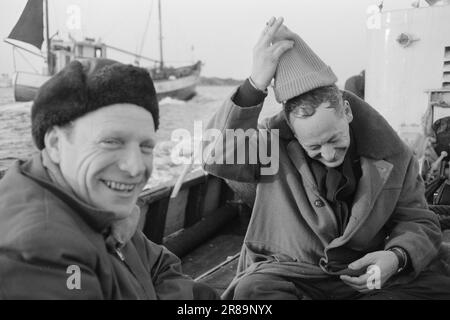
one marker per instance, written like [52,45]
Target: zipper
[121,257]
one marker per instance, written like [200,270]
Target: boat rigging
[33,28]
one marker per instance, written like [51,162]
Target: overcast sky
[221,33]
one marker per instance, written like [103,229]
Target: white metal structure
[409,56]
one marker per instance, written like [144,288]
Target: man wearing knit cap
[345,216]
[68,218]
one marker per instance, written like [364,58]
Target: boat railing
[203,205]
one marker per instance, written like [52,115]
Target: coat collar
[374,137]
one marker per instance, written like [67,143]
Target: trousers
[260,286]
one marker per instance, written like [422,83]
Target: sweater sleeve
[234,147]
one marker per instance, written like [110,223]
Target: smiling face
[325,136]
[107,157]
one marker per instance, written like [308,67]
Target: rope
[145,31]
[14,58]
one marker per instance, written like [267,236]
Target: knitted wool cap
[300,70]
[85,86]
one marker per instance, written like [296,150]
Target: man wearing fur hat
[345,216]
[68,218]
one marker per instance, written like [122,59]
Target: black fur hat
[85,86]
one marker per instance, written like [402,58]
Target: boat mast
[47,40]
[161,63]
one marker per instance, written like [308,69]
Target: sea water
[16,142]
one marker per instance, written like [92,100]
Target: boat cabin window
[98,52]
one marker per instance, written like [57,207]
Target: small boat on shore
[32,29]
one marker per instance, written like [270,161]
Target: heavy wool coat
[47,235]
[293,230]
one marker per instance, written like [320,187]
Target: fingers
[266,28]
[283,33]
[270,30]
[365,261]
[274,27]
[271,21]
[281,47]
[358,283]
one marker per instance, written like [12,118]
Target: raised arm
[232,144]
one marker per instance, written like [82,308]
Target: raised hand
[284,33]
[267,53]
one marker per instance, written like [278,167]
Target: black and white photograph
[224,155]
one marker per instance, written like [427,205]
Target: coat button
[319,203]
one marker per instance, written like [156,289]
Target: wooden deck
[215,261]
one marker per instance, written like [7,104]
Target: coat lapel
[375,174]
[297,156]
[317,213]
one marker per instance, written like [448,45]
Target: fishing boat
[32,29]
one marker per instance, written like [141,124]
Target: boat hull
[180,94]
[181,88]
[26,86]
